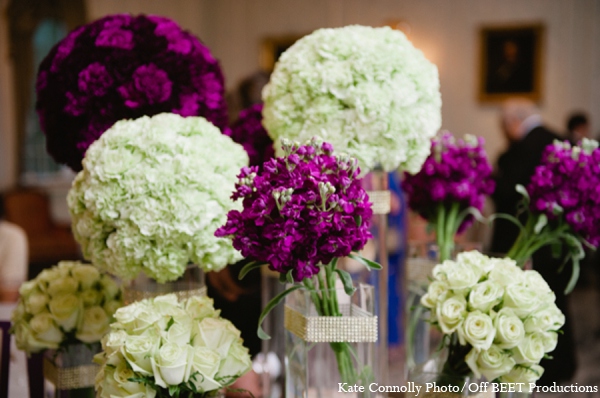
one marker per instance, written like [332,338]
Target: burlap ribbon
[70,378]
[131,296]
[359,328]
[382,201]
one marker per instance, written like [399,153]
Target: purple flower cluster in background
[249,132]
[567,183]
[301,210]
[456,171]
[123,67]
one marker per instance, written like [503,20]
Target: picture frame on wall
[271,49]
[511,62]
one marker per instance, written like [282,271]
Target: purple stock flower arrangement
[301,212]
[562,201]
[454,181]
[249,132]
[123,67]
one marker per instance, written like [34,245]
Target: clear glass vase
[70,372]
[323,351]
[191,283]
[421,339]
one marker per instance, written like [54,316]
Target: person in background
[14,256]
[578,127]
[527,138]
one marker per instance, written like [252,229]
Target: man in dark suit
[522,126]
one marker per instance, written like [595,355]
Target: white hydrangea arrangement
[163,348]
[498,320]
[365,90]
[151,194]
[69,303]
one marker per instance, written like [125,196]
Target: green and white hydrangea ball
[365,90]
[151,194]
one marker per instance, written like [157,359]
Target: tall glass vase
[71,372]
[421,339]
[269,363]
[191,283]
[377,185]
[324,351]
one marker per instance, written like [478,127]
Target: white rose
[62,286]
[492,363]
[166,305]
[113,341]
[27,288]
[535,281]
[180,331]
[550,340]
[138,350]
[94,324]
[36,303]
[215,333]
[236,363]
[435,291]
[509,329]
[530,350]
[126,316]
[86,275]
[485,295]
[451,313]
[204,364]
[458,276]
[169,365]
[523,374]
[200,307]
[109,287]
[480,263]
[91,297]
[66,311]
[545,319]
[122,375]
[44,331]
[477,330]
[505,272]
[521,299]
[48,275]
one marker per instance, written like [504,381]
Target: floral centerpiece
[498,320]
[562,204]
[152,193]
[123,67]
[300,214]
[66,304]
[249,132]
[164,348]
[365,90]
[454,181]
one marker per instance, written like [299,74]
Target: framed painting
[510,62]
[271,49]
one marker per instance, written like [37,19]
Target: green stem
[446,225]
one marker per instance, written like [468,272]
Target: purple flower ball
[456,171]
[249,132]
[300,211]
[123,67]
[567,184]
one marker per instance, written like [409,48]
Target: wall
[8,157]
[447,32]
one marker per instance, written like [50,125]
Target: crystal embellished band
[131,296]
[330,329]
[70,378]
[382,201]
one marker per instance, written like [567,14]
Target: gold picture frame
[510,62]
[271,49]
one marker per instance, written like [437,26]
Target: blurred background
[460,37]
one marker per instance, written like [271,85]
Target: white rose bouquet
[164,348]
[69,303]
[365,90]
[498,320]
[151,194]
